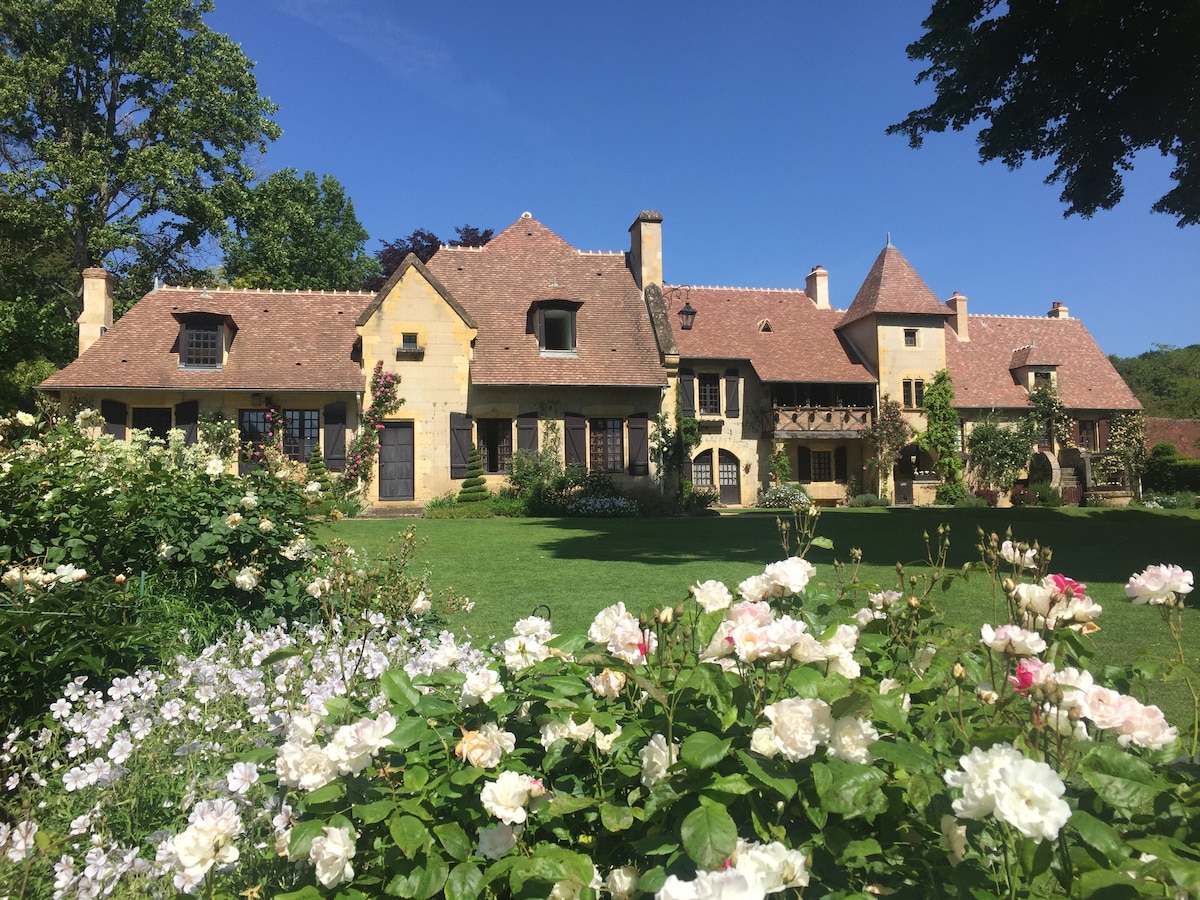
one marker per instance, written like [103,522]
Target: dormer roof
[893,286]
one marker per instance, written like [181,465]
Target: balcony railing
[826,421]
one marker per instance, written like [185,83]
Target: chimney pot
[645,248]
[816,285]
[97,315]
[958,319]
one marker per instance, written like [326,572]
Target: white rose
[505,798]
[622,882]
[656,759]
[421,605]
[608,684]
[1157,584]
[216,466]
[25,418]
[789,576]
[851,738]
[799,726]
[712,595]
[330,853]
[247,579]
[1012,640]
[773,866]
[496,840]
[304,766]
[1029,798]
[480,686]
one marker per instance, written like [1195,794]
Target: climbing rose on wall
[360,456]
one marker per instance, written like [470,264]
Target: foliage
[781,465]
[1179,500]
[801,730]
[1127,440]
[672,446]
[941,436]
[974,501]
[294,232]
[360,455]
[1044,81]
[783,496]
[695,501]
[1044,494]
[602,507]
[128,122]
[1166,380]
[474,486]
[1160,467]
[867,499]
[887,435]
[998,452]
[989,496]
[424,244]
[1049,410]
[952,493]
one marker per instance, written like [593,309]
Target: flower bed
[784,736]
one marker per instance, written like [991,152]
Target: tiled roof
[1183,433]
[284,340]
[983,378]
[800,346]
[498,283]
[893,286]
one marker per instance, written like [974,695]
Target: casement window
[709,393]
[702,470]
[606,445]
[821,465]
[914,393]
[554,323]
[910,337]
[495,444]
[301,430]
[408,341]
[1086,438]
[201,345]
[156,420]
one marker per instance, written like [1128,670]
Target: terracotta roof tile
[1183,433]
[983,378]
[527,262]
[800,346]
[893,286]
[285,340]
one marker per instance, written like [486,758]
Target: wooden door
[396,471]
[729,478]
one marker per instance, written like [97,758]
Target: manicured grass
[576,567]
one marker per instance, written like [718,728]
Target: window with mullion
[301,433]
[709,394]
[201,346]
[607,446]
[822,465]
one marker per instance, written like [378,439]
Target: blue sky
[758,135]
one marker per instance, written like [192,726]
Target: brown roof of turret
[893,286]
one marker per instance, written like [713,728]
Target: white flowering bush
[602,507]
[783,496]
[798,733]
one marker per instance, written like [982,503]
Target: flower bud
[120,579]
[960,673]
[666,615]
[914,602]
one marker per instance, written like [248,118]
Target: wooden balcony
[785,422]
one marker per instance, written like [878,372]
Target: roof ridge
[738,287]
[1035,318]
[600,252]
[259,290]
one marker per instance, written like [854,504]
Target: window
[556,328]
[300,433]
[607,448]
[1041,379]
[910,337]
[155,420]
[495,444]
[408,341]
[914,393]
[702,470]
[200,345]
[1087,434]
[709,394]
[822,465]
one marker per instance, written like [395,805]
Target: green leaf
[850,789]
[709,836]
[784,786]
[559,686]
[616,818]
[409,833]
[703,750]
[736,784]
[327,794]
[565,804]
[399,689]
[904,754]
[370,813]
[1124,782]
[454,840]
[1035,857]
[279,656]
[465,882]
[300,841]
[1100,836]
[408,732]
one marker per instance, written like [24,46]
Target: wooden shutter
[113,412]
[1102,434]
[335,436]
[575,439]
[460,444]
[803,464]
[527,432]
[1075,432]
[639,444]
[687,392]
[732,409]
[839,464]
[187,419]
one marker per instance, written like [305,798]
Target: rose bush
[812,735]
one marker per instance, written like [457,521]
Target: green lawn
[575,567]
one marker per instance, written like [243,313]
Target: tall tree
[424,243]
[297,232]
[129,118]
[1086,83]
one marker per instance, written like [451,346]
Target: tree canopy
[298,232]
[1085,84]
[1166,380]
[424,243]
[130,119]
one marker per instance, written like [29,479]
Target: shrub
[474,486]
[971,501]
[1020,495]
[783,496]
[605,507]
[867,499]
[508,503]
[1178,500]
[694,501]
[1045,495]
[989,496]
[1160,468]
[652,501]
[444,501]
[952,492]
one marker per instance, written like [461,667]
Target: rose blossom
[851,738]
[1030,671]
[483,748]
[1012,639]
[788,576]
[481,686]
[656,759]
[773,866]
[726,884]
[505,798]
[712,595]
[608,684]
[1157,584]
[330,853]
[496,840]
[1013,555]
[1023,793]
[798,726]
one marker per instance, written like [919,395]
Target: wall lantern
[687,317]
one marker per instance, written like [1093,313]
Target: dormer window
[554,322]
[200,345]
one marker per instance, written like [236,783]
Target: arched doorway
[726,478]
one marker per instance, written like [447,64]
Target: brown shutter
[113,412]
[335,436]
[460,444]
[1075,432]
[527,432]
[639,444]
[839,464]
[1102,434]
[803,464]
[732,409]
[187,419]
[687,392]
[575,439]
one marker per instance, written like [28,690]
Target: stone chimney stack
[958,306]
[1058,311]
[645,248]
[816,285]
[97,315]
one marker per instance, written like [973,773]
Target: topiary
[474,487]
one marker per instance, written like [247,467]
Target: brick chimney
[1058,311]
[97,315]
[958,306]
[645,248]
[816,285]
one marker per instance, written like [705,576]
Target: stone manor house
[528,340]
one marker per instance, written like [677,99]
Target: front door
[396,472]
[729,478]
